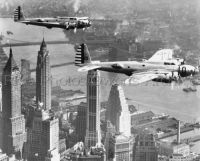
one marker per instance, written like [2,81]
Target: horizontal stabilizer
[82,55]
[18,14]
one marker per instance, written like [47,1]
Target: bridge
[31,43]
[24,43]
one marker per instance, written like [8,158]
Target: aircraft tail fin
[162,55]
[18,14]
[82,55]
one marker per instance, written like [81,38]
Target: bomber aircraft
[67,23]
[161,66]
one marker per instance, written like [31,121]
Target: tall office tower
[43,78]
[145,148]
[81,122]
[3,60]
[118,115]
[25,70]
[43,131]
[109,141]
[93,111]
[14,133]
[43,137]
[0,97]
[118,111]
[1,119]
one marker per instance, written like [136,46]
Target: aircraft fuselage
[64,23]
[130,67]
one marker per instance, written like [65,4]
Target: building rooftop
[178,155]
[121,138]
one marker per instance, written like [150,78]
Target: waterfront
[160,98]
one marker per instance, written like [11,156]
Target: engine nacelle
[174,61]
[84,23]
[187,70]
[67,25]
[70,25]
[167,78]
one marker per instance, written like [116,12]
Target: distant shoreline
[5,16]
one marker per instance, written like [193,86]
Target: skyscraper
[118,111]
[43,132]
[3,60]
[93,111]
[0,97]
[81,121]
[43,78]
[25,70]
[145,148]
[1,119]
[14,133]
[118,115]
[43,137]
[109,141]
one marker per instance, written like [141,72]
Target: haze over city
[99,80]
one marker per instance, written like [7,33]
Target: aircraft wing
[142,77]
[88,67]
[73,18]
[41,23]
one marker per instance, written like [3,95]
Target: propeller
[172,85]
[67,25]
[75,30]
[183,62]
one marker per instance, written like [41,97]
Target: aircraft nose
[187,70]
[193,70]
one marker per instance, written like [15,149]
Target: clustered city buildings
[50,127]
[82,128]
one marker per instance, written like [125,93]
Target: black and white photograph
[99,80]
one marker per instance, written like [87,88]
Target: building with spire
[43,78]
[43,130]
[14,133]
[93,111]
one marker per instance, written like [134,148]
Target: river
[158,97]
